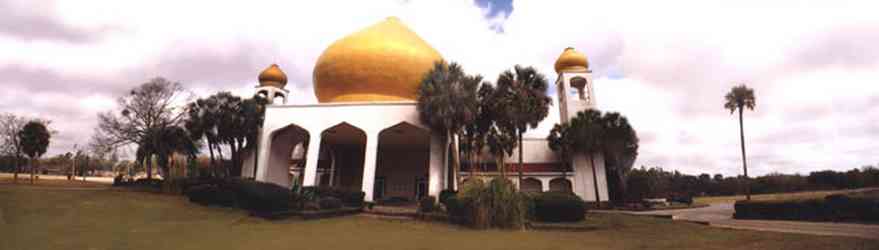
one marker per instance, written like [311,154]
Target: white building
[364,133]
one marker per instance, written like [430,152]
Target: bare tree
[10,126]
[153,106]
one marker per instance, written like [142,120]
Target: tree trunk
[595,180]
[744,160]
[32,170]
[521,161]
[456,159]
[213,166]
[149,168]
[501,166]
[17,165]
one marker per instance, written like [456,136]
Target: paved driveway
[720,215]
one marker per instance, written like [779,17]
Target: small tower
[574,84]
[271,84]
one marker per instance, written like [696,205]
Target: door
[378,191]
[420,188]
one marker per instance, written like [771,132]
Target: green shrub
[427,204]
[260,196]
[558,207]
[831,208]
[330,202]
[496,204]
[445,194]
[351,198]
[211,195]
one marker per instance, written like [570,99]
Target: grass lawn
[778,196]
[51,218]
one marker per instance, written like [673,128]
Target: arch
[402,162]
[531,185]
[280,165]
[579,83]
[560,185]
[341,156]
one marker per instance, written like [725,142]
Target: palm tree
[447,102]
[739,98]
[201,122]
[560,141]
[588,133]
[524,95]
[34,142]
[621,146]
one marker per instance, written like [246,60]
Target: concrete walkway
[720,215]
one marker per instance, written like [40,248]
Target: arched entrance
[286,156]
[402,163]
[340,161]
[560,185]
[531,185]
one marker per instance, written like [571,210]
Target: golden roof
[571,60]
[383,62]
[273,76]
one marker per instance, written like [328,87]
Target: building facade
[365,133]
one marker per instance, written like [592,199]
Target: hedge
[351,198]
[246,194]
[558,207]
[831,208]
[427,204]
[330,203]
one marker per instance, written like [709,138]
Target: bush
[351,198]
[831,208]
[558,207]
[117,181]
[211,195]
[445,194]
[427,204]
[330,203]
[260,196]
[496,204]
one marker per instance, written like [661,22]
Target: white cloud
[666,65]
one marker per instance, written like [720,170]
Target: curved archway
[341,156]
[560,185]
[531,185]
[402,163]
[579,84]
[281,166]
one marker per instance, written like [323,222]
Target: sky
[666,65]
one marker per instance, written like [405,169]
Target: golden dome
[571,60]
[383,62]
[273,76]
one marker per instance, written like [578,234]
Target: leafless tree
[10,126]
[153,106]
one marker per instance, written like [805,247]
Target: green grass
[766,197]
[106,219]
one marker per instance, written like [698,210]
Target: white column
[311,160]
[435,171]
[369,161]
[332,154]
[544,184]
[265,143]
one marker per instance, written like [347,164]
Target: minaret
[271,84]
[574,84]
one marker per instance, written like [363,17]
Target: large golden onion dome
[571,60]
[273,76]
[383,62]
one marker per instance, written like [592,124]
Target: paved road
[720,215]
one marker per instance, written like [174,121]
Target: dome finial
[273,76]
[571,60]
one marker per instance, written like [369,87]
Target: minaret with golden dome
[574,83]
[272,81]
[380,63]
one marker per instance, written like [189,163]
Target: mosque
[365,133]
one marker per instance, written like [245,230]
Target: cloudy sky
[664,64]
